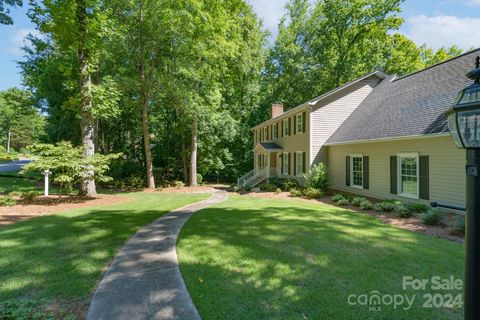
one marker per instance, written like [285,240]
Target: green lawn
[14,182]
[61,256]
[251,258]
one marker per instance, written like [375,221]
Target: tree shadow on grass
[62,256]
[286,262]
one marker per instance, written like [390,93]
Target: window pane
[357,171]
[409,175]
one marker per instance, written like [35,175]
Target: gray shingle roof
[408,106]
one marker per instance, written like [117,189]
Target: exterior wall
[447,167]
[292,143]
[329,114]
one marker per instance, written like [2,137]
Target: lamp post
[464,125]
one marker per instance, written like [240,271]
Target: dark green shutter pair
[366,172]
[424,176]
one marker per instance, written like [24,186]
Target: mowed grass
[14,182]
[251,258]
[62,256]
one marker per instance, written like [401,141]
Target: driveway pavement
[13,166]
[144,280]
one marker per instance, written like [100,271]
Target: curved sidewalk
[144,280]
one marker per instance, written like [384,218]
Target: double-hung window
[298,164]
[299,122]
[274,131]
[356,168]
[408,175]
[286,164]
[286,129]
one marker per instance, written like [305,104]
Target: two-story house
[380,136]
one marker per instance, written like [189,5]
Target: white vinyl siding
[446,167]
[356,171]
[299,164]
[328,115]
[408,175]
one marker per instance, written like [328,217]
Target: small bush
[29,196]
[459,226]
[278,190]
[312,193]
[403,211]
[385,206]
[136,182]
[7,202]
[418,207]
[343,202]
[236,188]
[294,192]
[356,201]
[317,177]
[178,184]
[365,205]
[269,187]
[433,217]
[337,197]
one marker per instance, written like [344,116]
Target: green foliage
[24,310]
[313,193]
[343,202]
[284,183]
[418,207]
[7,201]
[278,190]
[178,184]
[356,201]
[318,178]
[21,117]
[294,192]
[29,197]
[433,217]
[67,164]
[269,187]
[366,205]
[386,206]
[459,226]
[5,11]
[337,197]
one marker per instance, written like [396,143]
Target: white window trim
[297,154]
[352,156]
[285,163]
[299,116]
[399,174]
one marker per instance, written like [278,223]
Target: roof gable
[408,106]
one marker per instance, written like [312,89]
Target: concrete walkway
[144,280]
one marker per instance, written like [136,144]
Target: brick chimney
[276,109]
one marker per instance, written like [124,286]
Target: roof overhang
[268,147]
[387,139]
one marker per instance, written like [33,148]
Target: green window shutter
[304,156]
[295,163]
[295,124]
[347,170]
[289,164]
[424,168]
[366,172]
[277,129]
[304,118]
[281,132]
[281,163]
[393,175]
[289,126]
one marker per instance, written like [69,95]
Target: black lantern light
[464,125]
[464,116]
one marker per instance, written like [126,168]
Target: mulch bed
[42,206]
[412,223]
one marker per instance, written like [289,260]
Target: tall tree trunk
[144,106]
[185,161]
[193,156]
[87,122]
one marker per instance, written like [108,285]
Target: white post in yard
[47,173]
